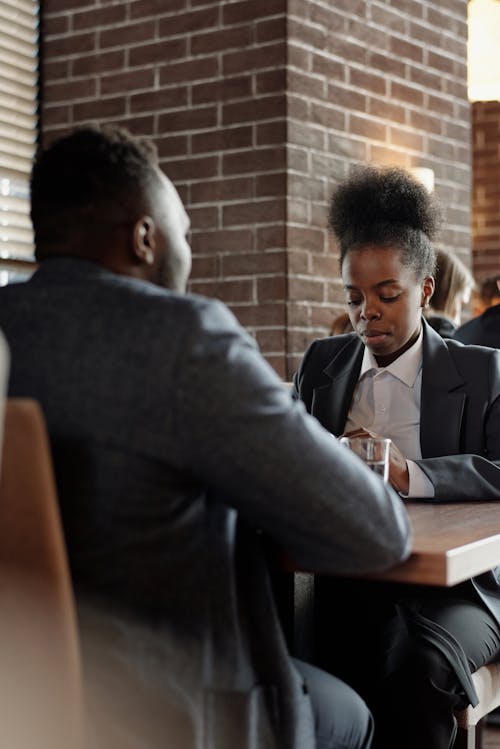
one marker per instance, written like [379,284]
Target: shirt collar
[406,367]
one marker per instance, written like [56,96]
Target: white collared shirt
[387,401]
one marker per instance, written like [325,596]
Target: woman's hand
[399,477]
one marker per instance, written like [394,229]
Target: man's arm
[259,451]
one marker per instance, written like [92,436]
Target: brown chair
[41,703]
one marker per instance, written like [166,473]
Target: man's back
[163,421]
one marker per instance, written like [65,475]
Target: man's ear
[428,285]
[144,240]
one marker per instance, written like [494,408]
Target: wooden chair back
[41,703]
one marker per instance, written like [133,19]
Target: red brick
[190,70]
[251,10]
[112,15]
[224,139]
[54,25]
[98,63]
[271,237]
[76,44]
[346,97]
[171,145]
[158,52]
[224,240]
[256,212]
[254,160]
[188,119]
[270,184]
[387,110]
[305,288]
[100,109]
[271,81]
[298,262]
[331,69]
[56,115]
[218,41]
[204,218]
[308,85]
[57,6]
[366,127]
[255,109]
[54,71]
[253,264]
[219,190]
[271,340]
[265,313]
[230,88]
[328,116]
[255,58]
[142,8]
[191,22]
[131,80]
[126,34]
[407,94]
[158,100]
[190,168]
[270,30]
[72,90]
[204,267]
[305,239]
[271,132]
[272,288]
[228,291]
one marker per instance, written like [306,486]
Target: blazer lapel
[331,402]
[441,407]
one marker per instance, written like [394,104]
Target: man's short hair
[93,176]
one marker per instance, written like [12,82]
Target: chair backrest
[41,703]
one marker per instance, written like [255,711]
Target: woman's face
[384,300]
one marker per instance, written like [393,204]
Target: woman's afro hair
[382,196]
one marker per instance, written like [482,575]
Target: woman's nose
[370,311]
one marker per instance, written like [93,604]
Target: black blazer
[459,424]
[460,407]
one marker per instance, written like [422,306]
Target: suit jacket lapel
[441,407]
[331,402]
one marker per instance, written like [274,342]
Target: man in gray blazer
[177,450]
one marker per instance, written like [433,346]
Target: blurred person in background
[453,286]
[484,330]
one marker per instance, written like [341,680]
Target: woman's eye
[353,302]
[389,299]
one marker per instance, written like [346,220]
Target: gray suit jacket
[459,424]
[175,444]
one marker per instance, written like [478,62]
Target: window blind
[19,38]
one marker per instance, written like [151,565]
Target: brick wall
[369,82]
[257,107]
[486,192]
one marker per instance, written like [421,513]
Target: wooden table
[451,542]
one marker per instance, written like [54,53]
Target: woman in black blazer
[439,402]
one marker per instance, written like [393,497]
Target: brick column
[257,108]
[486,192]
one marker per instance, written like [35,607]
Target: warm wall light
[424,175]
[483,50]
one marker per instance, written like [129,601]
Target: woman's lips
[373,337]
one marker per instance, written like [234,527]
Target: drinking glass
[374,451]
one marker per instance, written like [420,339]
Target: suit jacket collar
[332,401]
[442,403]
